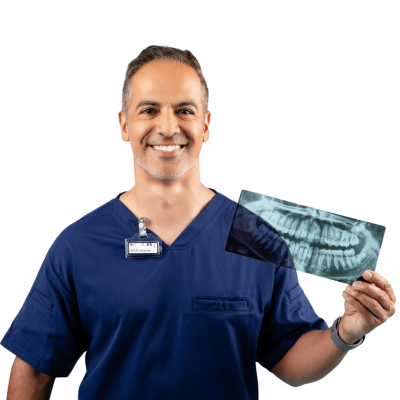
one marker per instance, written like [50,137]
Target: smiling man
[192,323]
[164,117]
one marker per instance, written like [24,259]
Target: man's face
[165,110]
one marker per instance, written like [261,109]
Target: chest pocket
[219,304]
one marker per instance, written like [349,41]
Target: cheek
[138,131]
[195,132]
[142,125]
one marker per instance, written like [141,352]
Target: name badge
[143,248]
[143,244]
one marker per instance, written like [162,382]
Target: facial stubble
[147,164]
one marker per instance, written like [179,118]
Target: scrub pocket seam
[42,299]
[219,304]
[294,293]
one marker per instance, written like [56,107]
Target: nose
[167,123]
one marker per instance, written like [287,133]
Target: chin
[167,174]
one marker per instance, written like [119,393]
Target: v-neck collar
[190,234]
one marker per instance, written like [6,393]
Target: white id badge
[143,244]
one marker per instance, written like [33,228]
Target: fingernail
[356,283]
[344,294]
[367,275]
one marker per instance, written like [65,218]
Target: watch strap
[338,341]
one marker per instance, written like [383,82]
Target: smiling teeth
[167,148]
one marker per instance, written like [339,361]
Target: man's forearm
[27,383]
[311,358]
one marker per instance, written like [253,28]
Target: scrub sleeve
[288,317]
[47,333]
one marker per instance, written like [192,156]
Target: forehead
[166,80]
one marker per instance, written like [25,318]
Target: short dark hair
[153,53]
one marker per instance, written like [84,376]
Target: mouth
[168,149]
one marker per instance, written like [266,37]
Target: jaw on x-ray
[307,239]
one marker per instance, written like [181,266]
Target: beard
[169,173]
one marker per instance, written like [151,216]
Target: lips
[167,148]
[171,144]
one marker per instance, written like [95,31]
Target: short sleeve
[47,333]
[289,316]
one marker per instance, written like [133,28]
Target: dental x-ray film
[305,238]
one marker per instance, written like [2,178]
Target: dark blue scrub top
[188,325]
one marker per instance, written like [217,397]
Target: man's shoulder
[226,197]
[91,222]
[227,208]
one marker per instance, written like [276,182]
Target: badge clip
[143,244]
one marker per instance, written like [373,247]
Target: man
[192,323]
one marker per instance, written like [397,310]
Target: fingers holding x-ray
[320,243]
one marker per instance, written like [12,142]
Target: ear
[206,132]
[123,123]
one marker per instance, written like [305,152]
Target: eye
[185,109]
[148,109]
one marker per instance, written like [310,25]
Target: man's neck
[170,198]
[169,205]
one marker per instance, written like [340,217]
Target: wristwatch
[339,342]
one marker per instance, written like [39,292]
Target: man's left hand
[367,305]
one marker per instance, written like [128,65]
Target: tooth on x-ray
[307,239]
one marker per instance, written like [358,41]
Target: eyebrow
[176,105]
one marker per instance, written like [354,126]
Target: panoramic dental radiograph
[305,238]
